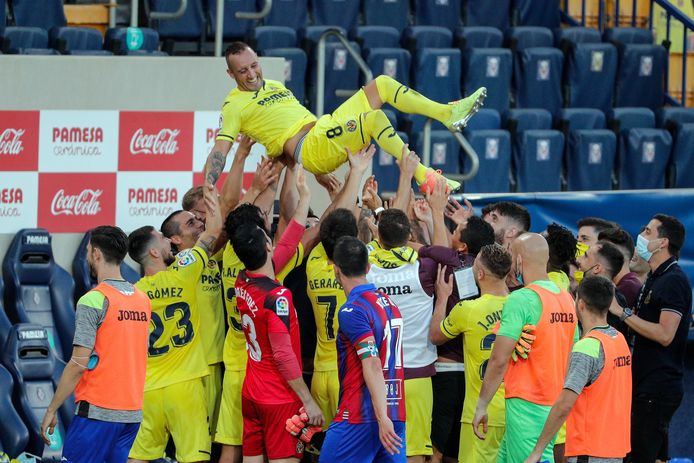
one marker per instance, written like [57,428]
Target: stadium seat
[311,34]
[335,13]
[493,147]
[590,159]
[185,33]
[621,119]
[393,13]
[393,62]
[147,53]
[436,75]
[341,73]
[84,281]
[443,13]
[537,78]
[418,37]
[17,40]
[485,119]
[27,13]
[264,37]
[32,364]
[71,39]
[520,120]
[644,156]
[520,38]
[377,37]
[479,37]
[581,119]
[294,71]
[591,69]
[386,170]
[5,324]
[538,159]
[496,13]
[3,17]
[14,435]
[233,28]
[289,13]
[116,41]
[544,13]
[683,157]
[444,151]
[671,118]
[628,36]
[491,68]
[37,290]
[391,115]
[574,35]
[641,67]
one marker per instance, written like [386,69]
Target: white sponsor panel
[19,199]
[78,141]
[147,198]
[206,126]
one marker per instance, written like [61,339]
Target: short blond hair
[191,197]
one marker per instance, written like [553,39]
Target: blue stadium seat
[493,147]
[581,119]
[574,35]
[14,435]
[591,69]
[50,13]
[622,119]
[537,78]
[190,26]
[3,17]
[116,40]
[628,36]
[444,13]
[39,51]
[393,13]
[520,120]
[289,13]
[491,68]
[18,39]
[335,13]
[417,37]
[544,13]
[590,159]
[643,159]
[444,151]
[341,73]
[641,67]
[485,119]
[377,37]
[436,75]
[311,34]
[147,53]
[524,37]
[70,39]
[479,37]
[386,170]
[233,28]
[683,156]
[32,363]
[264,37]
[37,290]
[391,115]
[538,159]
[5,323]
[393,62]
[294,71]
[495,13]
[670,118]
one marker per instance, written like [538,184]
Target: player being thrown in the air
[270,114]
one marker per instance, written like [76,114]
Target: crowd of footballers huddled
[383,330]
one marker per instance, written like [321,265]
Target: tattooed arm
[213,221]
[216,160]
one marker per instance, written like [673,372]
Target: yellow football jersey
[176,351]
[209,296]
[475,319]
[234,355]
[270,116]
[326,296]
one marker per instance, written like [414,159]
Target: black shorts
[650,424]
[449,395]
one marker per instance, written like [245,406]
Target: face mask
[642,248]
[578,276]
[581,249]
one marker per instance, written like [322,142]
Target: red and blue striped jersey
[369,312]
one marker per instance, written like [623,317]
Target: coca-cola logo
[84,203]
[162,143]
[11,142]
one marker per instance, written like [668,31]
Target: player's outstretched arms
[213,222]
[216,160]
[408,165]
[373,376]
[231,189]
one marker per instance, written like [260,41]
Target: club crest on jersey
[299,447]
[282,306]
[351,125]
[212,264]
[185,258]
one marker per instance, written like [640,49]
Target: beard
[169,259]
[499,235]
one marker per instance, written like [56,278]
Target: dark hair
[139,243]
[620,238]
[562,247]
[250,245]
[597,292]
[236,48]
[111,241]
[477,233]
[393,228]
[611,254]
[191,197]
[496,259]
[513,211]
[673,230]
[169,227]
[597,223]
[244,214]
[351,256]
[335,225]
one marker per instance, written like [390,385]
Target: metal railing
[165,15]
[219,25]
[462,141]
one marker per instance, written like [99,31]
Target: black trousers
[650,423]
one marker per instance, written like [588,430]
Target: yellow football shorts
[419,405]
[561,435]
[325,389]
[230,422]
[475,450]
[324,145]
[181,411]
[213,391]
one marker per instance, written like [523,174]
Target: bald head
[530,254]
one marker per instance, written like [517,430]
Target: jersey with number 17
[369,312]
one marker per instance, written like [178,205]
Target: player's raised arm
[231,189]
[216,160]
[213,222]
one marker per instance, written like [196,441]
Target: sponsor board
[19,140]
[18,200]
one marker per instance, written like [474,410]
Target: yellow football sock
[409,101]
[378,127]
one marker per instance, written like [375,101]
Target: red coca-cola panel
[76,202]
[156,141]
[19,140]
